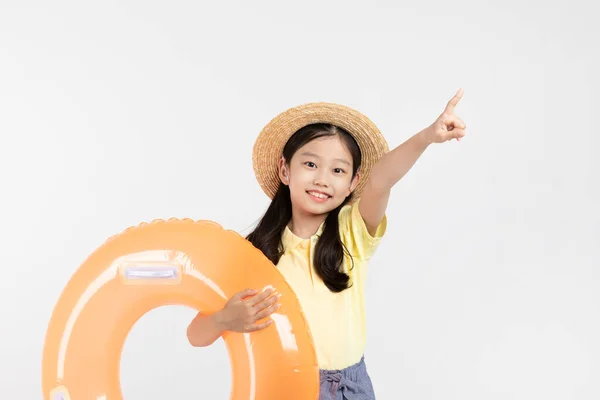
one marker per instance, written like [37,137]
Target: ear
[354,183]
[283,171]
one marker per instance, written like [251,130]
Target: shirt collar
[291,241]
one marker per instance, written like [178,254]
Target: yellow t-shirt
[336,320]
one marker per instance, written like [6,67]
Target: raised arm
[392,166]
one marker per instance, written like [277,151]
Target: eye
[310,164]
[338,170]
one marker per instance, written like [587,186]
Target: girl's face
[319,175]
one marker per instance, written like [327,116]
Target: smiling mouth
[318,195]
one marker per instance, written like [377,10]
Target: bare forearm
[204,330]
[393,165]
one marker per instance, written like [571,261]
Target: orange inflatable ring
[173,262]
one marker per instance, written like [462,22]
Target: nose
[320,179]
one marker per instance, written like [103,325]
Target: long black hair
[329,250]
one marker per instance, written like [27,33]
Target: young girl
[328,172]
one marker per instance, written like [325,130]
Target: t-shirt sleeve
[353,231]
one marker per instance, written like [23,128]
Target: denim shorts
[351,383]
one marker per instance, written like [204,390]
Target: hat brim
[269,145]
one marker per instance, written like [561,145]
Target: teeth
[319,195]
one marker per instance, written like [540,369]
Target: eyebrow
[308,153]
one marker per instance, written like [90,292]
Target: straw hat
[269,145]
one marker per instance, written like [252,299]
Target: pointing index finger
[454,101]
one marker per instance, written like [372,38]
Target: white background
[487,283]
